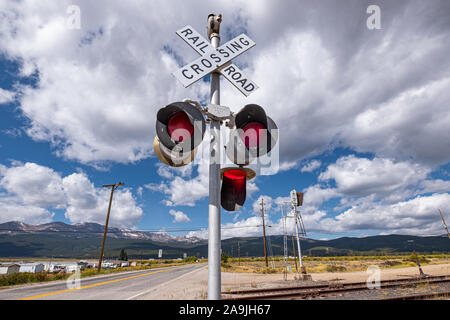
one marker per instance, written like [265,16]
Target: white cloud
[326,84]
[311,166]
[31,187]
[164,171]
[15,211]
[179,216]
[186,191]
[100,86]
[6,96]
[437,185]
[270,204]
[417,216]
[244,228]
[361,176]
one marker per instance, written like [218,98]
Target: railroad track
[423,296]
[300,292]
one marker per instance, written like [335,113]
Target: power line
[124,231]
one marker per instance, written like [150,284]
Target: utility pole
[239,254]
[264,232]
[445,225]
[214,244]
[113,187]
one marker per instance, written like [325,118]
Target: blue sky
[363,114]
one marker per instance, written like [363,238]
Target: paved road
[119,286]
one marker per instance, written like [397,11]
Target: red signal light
[253,134]
[235,174]
[233,191]
[180,127]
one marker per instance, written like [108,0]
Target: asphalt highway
[118,286]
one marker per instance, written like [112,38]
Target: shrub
[190,259]
[333,268]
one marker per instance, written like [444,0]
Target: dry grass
[329,264]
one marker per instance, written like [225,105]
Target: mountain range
[83,229]
[60,240]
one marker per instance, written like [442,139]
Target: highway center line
[97,284]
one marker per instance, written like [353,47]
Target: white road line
[164,284]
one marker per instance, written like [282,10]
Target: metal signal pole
[113,187]
[214,276]
[295,255]
[264,232]
[297,222]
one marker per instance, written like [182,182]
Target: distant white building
[72,267]
[9,268]
[31,267]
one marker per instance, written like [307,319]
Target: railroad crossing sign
[212,60]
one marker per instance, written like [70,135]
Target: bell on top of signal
[180,128]
[254,135]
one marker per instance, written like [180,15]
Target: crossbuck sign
[215,60]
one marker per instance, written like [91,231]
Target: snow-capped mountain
[90,229]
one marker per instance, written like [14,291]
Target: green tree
[123,255]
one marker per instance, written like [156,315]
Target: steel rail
[310,291]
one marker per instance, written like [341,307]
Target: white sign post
[215,60]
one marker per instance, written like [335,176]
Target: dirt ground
[194,284]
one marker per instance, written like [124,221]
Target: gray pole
[214,281]
[298,239]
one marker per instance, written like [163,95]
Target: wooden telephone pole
[264,232]
[445,225]
[239,254]
[113,187]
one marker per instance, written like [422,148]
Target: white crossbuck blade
[212,59]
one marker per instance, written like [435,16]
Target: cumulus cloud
[182,191]
[33,184]
[371,90]
[12,210]
[417,216]
[6,96]
[377,195]
[30,187]
[179,216]
[311,166]
[243,228]
[324,78]
[361,176]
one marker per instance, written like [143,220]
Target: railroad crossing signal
[212,59]
[255,134]
[180,128]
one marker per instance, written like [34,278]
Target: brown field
[330,264]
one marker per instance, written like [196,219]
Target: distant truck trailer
[31,267]
[10,268]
